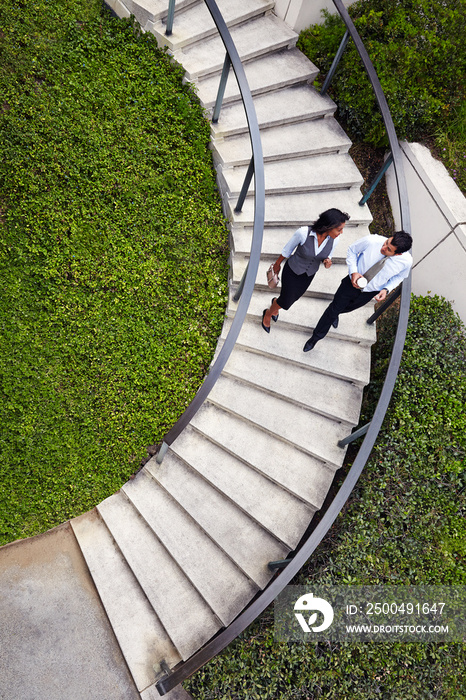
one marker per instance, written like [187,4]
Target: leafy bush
[411,501]
[113,256]
[404,524]
[419,57]
[450,142]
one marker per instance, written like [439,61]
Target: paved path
[56,642]
[55,639]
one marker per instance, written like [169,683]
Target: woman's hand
[277,264]
[327,263]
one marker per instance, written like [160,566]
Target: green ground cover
[403,525]
[113,256]
[450,146]
[420,59]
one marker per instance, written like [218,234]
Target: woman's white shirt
[299,237]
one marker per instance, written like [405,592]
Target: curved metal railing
[257,168]
[222,639]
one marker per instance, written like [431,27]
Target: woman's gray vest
[304,259]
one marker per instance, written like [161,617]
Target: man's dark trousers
[346,299]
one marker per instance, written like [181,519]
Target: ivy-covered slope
[113,256]
[404,524]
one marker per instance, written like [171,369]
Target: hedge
[404,524]
[113,256]
[418,53]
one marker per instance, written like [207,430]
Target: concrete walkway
[56,642]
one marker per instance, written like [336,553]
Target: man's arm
[394,281]
[381,295]
[354,251]
[397,279]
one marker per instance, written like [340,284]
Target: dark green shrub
[419,55]
[113,256]
[405,524]
[450,143]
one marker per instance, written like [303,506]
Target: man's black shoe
[335,323]
[309,345]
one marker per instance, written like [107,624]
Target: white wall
[438,223]
[300,14]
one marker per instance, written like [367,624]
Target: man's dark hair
[331,218]
[402,241]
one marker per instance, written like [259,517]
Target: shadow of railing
[290,567]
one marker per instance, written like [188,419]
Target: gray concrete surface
[55,640]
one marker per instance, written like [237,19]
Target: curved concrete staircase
[180,550]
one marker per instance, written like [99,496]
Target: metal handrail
[222,639]
[256,244]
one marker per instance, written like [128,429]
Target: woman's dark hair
[329,219]
[402,241]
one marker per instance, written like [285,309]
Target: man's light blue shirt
[365,252]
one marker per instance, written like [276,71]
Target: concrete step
[290,468]
[178,693]
[324,284]
[146,10]
[305,313]
[195,23]
[142,638]
[217,466]
[222,584]
[282,418]
[330,396]
[275,237]
[230,527]
[178,605]
[308,174]
[332,356]
[252,39]
[287,141]
[265,73]
[294,210]
[290,105]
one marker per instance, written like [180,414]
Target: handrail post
[388,302]
[162,452]
[170,17]
[221,88]
[245,187]
[280,564]
[378,177]
[239,291]
[336,61]
[354,436]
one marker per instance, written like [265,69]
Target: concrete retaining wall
[300,14]
[438,221]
